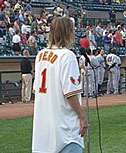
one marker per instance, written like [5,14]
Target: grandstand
[92,9]
[94,13]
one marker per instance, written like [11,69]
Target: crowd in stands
[25,30]
[106,36]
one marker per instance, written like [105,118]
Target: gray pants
[112,81]
[89,82]
[96,82]
[118,76]
[101,72]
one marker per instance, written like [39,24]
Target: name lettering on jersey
[75,81]
[48,56]
[40,56]
[45,56]
[109,59]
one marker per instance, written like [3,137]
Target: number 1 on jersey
[43,88]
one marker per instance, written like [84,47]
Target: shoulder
[67,55]
[108,55]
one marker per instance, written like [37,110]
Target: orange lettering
[40,56]
[45,56]
[50,55]
[53,59]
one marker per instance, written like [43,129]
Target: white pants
[26,87]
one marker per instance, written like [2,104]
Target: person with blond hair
[27,72]
[59,121]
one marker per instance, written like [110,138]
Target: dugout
[10,76]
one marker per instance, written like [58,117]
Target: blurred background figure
[27,72]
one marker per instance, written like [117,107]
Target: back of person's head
[114,51]
[29,1]
[34,18]
[68,7]
[110,31]
[106,32]
[33,32]
[119,28]
[99,23]
[88,51]
[26,53]
[60,32]
[17,31]
[2,9]
[95,51]
[111,51]
[84,35]
[113,33]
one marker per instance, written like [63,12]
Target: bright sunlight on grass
[16,134]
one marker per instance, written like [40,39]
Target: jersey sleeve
[70,78]
[119,61]
[115,60]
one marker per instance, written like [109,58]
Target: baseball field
[16,126]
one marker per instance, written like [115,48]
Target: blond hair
[60,32]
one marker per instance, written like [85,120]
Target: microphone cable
[98,114]
[83,52]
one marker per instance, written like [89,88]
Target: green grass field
[16,134]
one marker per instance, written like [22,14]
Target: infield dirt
[20,109]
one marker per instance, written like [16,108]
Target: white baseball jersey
[90,72]
[112,73]
[94,62]
[111,59]
[118,68]
[101,68]
[56,124]
[118,61]
[101,61]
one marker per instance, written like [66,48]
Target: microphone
[83,52]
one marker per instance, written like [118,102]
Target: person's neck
[25,56]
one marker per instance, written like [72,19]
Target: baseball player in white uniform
[95,53]
[101,69]
[88,72]
[82,81]
[59,122]
[118,69]
[111,61]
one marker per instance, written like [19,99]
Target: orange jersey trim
[33,90]
[73,92]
